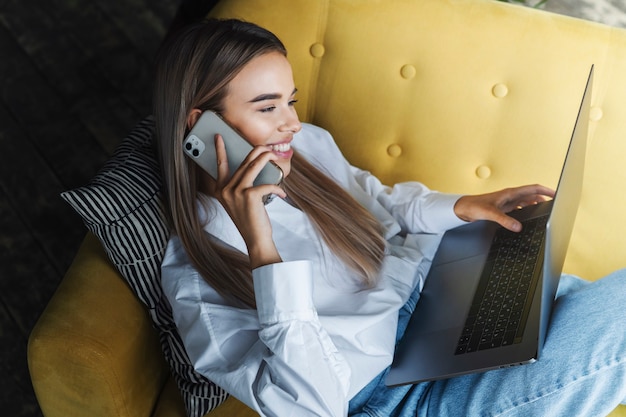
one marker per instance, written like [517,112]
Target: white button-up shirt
[316,337]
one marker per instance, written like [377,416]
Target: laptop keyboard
[502,301]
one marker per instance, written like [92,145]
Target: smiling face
[260,105]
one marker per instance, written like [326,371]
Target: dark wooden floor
[75,77]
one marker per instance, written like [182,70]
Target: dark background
[75,78]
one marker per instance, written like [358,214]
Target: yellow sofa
[467,96]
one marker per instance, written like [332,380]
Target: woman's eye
[267,109]
[293,102]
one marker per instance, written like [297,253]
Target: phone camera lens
[188,146]
[195,153]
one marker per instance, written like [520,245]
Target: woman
[295,307]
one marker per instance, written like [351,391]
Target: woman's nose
[291,123]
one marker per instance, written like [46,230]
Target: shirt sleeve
[414,206]
[278,359]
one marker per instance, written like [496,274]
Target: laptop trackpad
[447,295]
[465,241]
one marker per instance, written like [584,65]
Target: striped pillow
[122,206]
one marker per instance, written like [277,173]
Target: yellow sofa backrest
[467,96]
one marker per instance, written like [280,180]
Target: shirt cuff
[284,291]
[441,214]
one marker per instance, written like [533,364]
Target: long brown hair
[193,71]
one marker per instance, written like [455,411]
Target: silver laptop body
[438,342]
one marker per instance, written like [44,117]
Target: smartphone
[200,146]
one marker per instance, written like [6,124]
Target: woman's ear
[192,118]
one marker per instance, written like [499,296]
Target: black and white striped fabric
[122,206]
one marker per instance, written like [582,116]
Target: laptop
[488,297]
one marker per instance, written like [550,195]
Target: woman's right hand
[244,202]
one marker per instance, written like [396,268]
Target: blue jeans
[581,372]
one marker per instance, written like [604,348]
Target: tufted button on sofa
[467,96]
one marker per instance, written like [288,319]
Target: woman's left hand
[494,206]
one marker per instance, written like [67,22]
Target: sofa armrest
[94,351]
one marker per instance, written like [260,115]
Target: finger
[523,196]
[508,222]
[227,182]
[259,192]
[241,185]
[538,191]
[524,202]
[249,197]
[223,170]
[253,164]
[545,191]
